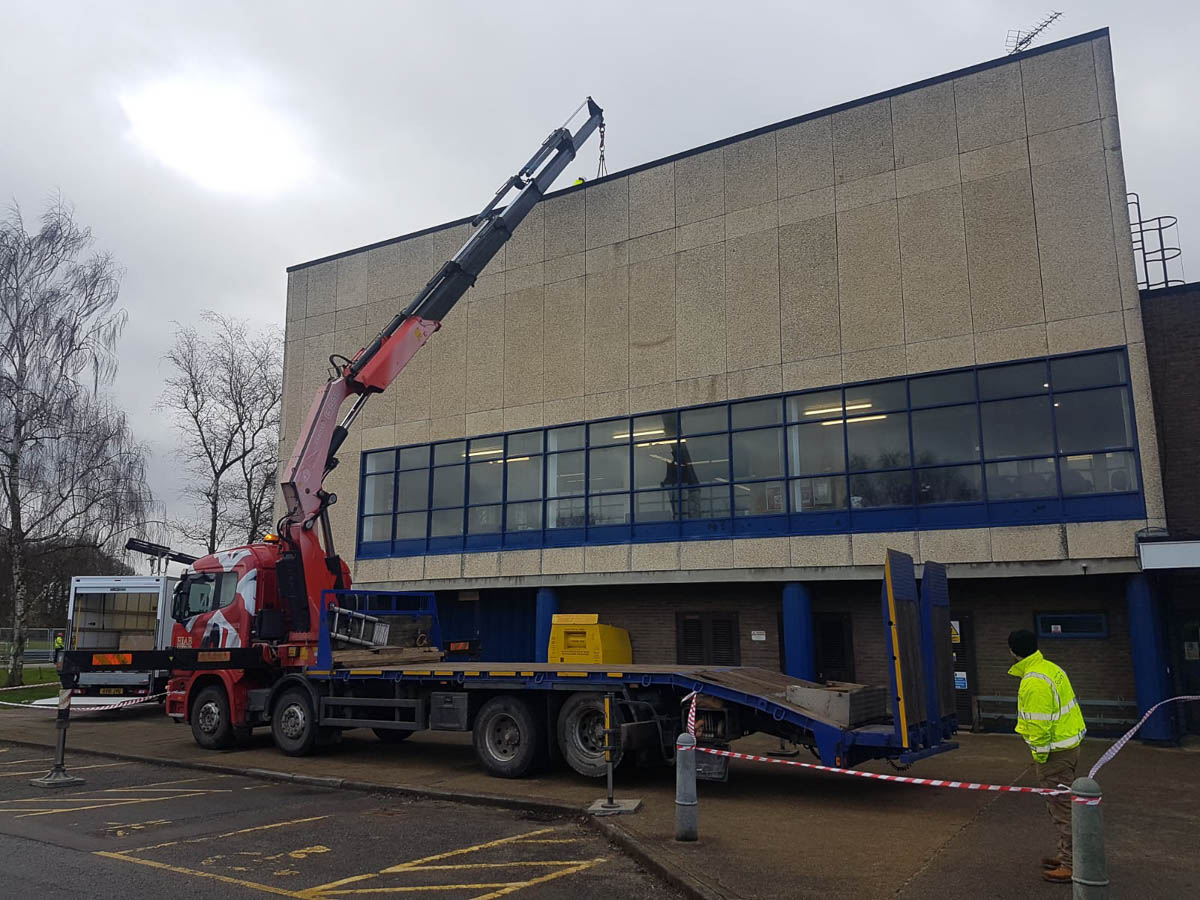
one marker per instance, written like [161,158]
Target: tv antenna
[1018,40]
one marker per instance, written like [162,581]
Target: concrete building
[701,396]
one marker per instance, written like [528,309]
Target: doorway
[833,637]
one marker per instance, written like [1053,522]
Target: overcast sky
[209,145]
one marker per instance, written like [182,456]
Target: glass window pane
[525,443]
[1017,427]
[448,486]
[486,448]
[608,509]
[813,406]
[608,469]
[932,390]
[381,462]
[614,431]
[1088,371]
[817,448]
[951,484]
[445,522]
[878,441]
[659,425]
[377,493]
[1093,420]
[524,478]
[446,454]
[412,490]
[523,516]
[566,513]
[704,459]
[564,474]
[1013,381]
[486,482]
[568,438]
[1099,473]
[414,457]
[819,494]
[483,520]
[656,506]
[377,528]
[656,464]
[758,454]
[757,412]
[868,399]
[705,502]
[946,434]
[881,489]
[761,498]
[410,526]
[707,418]
[1021,479]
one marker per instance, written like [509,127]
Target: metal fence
[39,644]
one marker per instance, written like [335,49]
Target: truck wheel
[509,737]
[294,722]
[210,719]
[581,734]
[390,735]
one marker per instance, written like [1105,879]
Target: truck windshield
[203,592]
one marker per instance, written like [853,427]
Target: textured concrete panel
[662,557]
[485,354]
[880,362]
[481,565]
[487,286]
[752,219]
[381,409]
[805,154]
[416,432]
[1075,237]
[924,125]
[564,268]
[1143,404]
[652,200]
[872,311]
[406,568]
[564,350]
[297,295]
[990,107]
[1097,540]
[866,191]
[650,246]
[651,397]
[802,207]
[1106,86]
[381,436]
[761,553]
[1002,253]
[448,357]
[443,565]
[701,390]
[1085,333]
[522,347]
[1060,88]
[322,289]
[371,571]
[606,258]
[1126,269]
[928,176]
[700,234]
[933,257]
[562,560]
[871,549]
[609,403]
[862,141]
[803,374]
[1029,542]
[808,289]
[564,224]
[755,382]
[611,558]
[560,412]
[528,243]
[700,311]
[1064,143]
[446,428]
[699,187]
[352,281]
[944,353]
[995,159]
[1134,333]
[1010,343]
[355,317]
[524,277]
[318,325]
[750,172]
[519,417]
[606,330]
[706,554]
[956,545]
[520,562]
[821,550]
[752,300]
[487,421]
[652,321]
[606,213]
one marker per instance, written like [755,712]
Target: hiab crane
[255,626]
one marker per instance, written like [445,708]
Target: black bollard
[57,776]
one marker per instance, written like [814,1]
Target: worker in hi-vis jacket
[1050,721]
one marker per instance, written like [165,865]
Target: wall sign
[758,635]
[960,681]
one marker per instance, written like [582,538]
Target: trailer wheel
[509,737]
[581,734]
[391,735]
[211,726]
[294,722]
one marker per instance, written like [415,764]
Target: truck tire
[294,722]
[211,726]
[510,738]
[581,734]
[391,735]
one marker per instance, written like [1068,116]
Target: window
[1071,625]
[1044,440]
[203,592]
[707,639]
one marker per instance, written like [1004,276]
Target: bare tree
[71,474]
[225,394]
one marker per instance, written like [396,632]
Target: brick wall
[1171,319]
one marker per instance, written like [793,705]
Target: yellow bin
[580,638]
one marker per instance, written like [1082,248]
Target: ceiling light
[836,409]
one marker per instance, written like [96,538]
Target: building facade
[701,397]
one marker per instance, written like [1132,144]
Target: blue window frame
[1032,441]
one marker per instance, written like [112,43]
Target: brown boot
[1061,875]
[1051,862]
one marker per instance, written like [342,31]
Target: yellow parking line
[212,837]
[73,769]
[549,876]
[19,762]
[254,886]
[49,812]
[500,865]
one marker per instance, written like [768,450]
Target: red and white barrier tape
[902,779]
[133,701]
[1127,736]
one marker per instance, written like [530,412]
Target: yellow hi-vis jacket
[1048,716]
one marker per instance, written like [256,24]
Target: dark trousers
[1059,768]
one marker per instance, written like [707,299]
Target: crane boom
[377,365]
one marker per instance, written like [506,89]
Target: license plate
[112,690]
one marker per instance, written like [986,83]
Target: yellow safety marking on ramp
[573,674]
[212,837]
[195,873]
[366,671]
[509,674]
[73,769]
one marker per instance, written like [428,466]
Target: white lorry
[115,613]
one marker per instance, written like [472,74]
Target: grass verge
[28,694]
[32,676]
